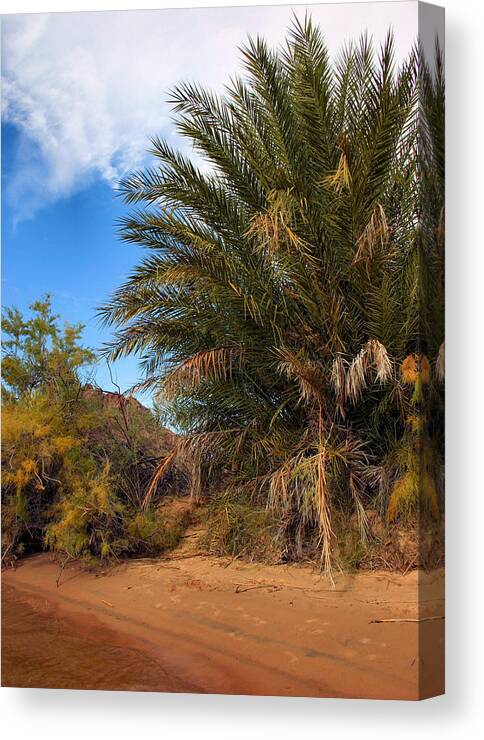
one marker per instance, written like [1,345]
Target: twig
[108,603]
[410,565]
[272,586]
[235,557]
[62,566]
[407,619]
[4,554]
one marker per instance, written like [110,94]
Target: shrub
[238,528]
[152,532]
[73,482]
[76,461]
[411,494]
[35,449]
[87,520]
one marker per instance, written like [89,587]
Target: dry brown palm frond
[356,381]
[275,227]
[373,357]
[301,484]
[213,444]
[375,234]
[352,454]
[338,376]
[379,360]
[307,373]
[266,228]
[160,471]
[217,364]
[440,363]
[304,483]
[287,484]
[273,224]
[279,488]
[341,178]
[202,452]
[206,440]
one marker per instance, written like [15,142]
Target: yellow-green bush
[88,519]
[35,451]
[68,484]
[76,462]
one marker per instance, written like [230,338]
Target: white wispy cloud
[87,90]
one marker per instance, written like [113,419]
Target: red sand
[210,625]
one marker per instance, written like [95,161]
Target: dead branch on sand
[407,619]
[272,587]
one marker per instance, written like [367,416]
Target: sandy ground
[215,626]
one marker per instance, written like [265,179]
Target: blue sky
[70,249]
[81,95]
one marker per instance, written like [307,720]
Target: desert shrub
[39,353]
[156,530]
[411,494]
[69,486]
[92,522]
[76,461]
[350,549]
[88,519]
[73,484]
[406,545]
[35,450]
[237,527]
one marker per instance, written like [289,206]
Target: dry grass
[236,527]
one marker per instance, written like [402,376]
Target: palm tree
[284,282]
